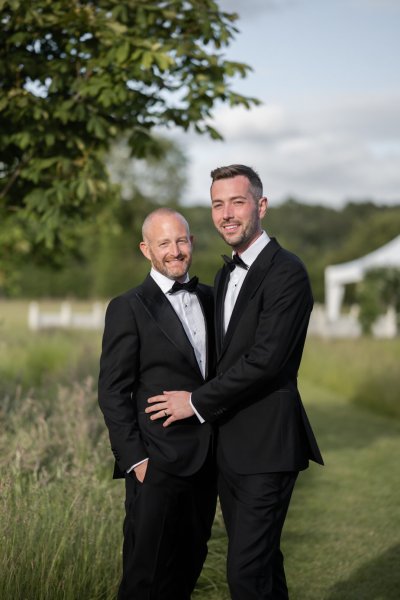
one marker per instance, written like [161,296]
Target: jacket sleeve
[119,366]
[279,337]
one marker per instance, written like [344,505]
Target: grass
[58,542]
[365,371]
[342,534]
[61,513]
[37,359]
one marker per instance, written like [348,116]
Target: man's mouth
[175,260]
[230,227]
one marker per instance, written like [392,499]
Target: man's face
[235,213]
[168,246]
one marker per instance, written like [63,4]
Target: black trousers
[254,508]
[167,525]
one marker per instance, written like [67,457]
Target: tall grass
[60,513]
[60,516]
[58,541]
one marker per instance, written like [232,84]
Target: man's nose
[227,212]
[174,249]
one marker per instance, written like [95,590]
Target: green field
[61,513]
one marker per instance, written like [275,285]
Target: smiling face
[168,245]
[235,213]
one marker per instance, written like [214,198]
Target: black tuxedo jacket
[146,351]
[254,398]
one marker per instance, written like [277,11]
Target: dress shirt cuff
[136,465]
[200,418]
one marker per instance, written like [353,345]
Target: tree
[379,290]
[110,262]
[74,75]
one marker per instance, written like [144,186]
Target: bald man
[159,336]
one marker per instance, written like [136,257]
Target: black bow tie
[235,261]
[189,286]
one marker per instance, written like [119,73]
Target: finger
[156,407]
[168,421]
[158,415]
[159,398]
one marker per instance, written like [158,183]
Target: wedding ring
[165,413]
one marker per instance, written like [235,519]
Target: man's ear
[145,251]
[262,206]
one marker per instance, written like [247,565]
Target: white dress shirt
[238,275]
[188,308]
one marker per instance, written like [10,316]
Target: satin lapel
[161,311]
[206,303]
[221,282]
[257,273]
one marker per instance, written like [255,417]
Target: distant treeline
[111,263]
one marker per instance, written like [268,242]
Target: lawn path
[342,534]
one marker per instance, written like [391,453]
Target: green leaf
[122,52]
[82,189]
[147,60]
[23,139]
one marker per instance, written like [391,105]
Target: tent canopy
[337,276]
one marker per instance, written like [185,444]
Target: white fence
[348,326]
[65,317]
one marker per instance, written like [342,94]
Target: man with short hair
[157,336]
[263,304]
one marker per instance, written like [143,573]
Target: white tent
[337,276]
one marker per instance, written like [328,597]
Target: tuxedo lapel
[207,306]
[221,283]
[257,273]
[161,311]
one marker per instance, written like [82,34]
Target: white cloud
[348,148]
[258,124]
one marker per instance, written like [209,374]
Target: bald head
[156,217]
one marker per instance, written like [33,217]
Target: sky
[328,129]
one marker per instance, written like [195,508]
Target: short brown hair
[256,187]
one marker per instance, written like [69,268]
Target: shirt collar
[251,253]
[163,282]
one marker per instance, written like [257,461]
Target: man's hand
[140,470]
[173,405]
